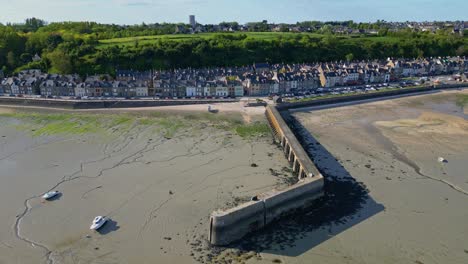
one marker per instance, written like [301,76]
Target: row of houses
[32,82]
[255,80]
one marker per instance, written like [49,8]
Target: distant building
[141,91]
[180,29]
[193,23]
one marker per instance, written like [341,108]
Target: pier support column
[301,173]
[291,157]
[295,164]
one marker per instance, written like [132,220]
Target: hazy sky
[215,11]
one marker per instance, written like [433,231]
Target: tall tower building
[193,23]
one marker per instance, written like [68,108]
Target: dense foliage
[85,48]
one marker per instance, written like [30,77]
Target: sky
[216,11]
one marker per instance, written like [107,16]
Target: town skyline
[130,12]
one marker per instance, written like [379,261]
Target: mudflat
[157,176]
[409,208]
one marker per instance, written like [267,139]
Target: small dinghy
[98,222]
[212,110]
[441,159]
[50,195]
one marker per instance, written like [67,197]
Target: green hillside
[91,48]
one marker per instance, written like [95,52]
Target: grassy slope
[130,41]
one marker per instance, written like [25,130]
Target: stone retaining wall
[364,96]
[95,104]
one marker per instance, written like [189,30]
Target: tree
[327,29]
[349,57]
[60,61]
[383,32]
[462,51]
[53,40]
[11,59]
[284,28]
[33,24]
[25,57]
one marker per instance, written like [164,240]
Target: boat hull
[50,195]
[98,225]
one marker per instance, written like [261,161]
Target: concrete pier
[233,224]
[295,153]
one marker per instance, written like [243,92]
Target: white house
[351,76]
[222,91]
[206,91]
[238,91]
[141,91]
[274,87]
[80,90]
[191,91]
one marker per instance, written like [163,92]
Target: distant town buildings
[344,27]
[259,79]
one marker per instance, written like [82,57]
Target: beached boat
[98,222]
[50,195]
[212,110]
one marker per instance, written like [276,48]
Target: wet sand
[413,209]
[157,188]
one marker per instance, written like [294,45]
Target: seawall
[364,96]
[233,224]
[95,104]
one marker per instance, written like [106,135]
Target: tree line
[73,47]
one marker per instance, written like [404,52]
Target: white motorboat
[50,195]
[98,222]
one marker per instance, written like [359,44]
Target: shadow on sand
[345,204]
[108,227]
